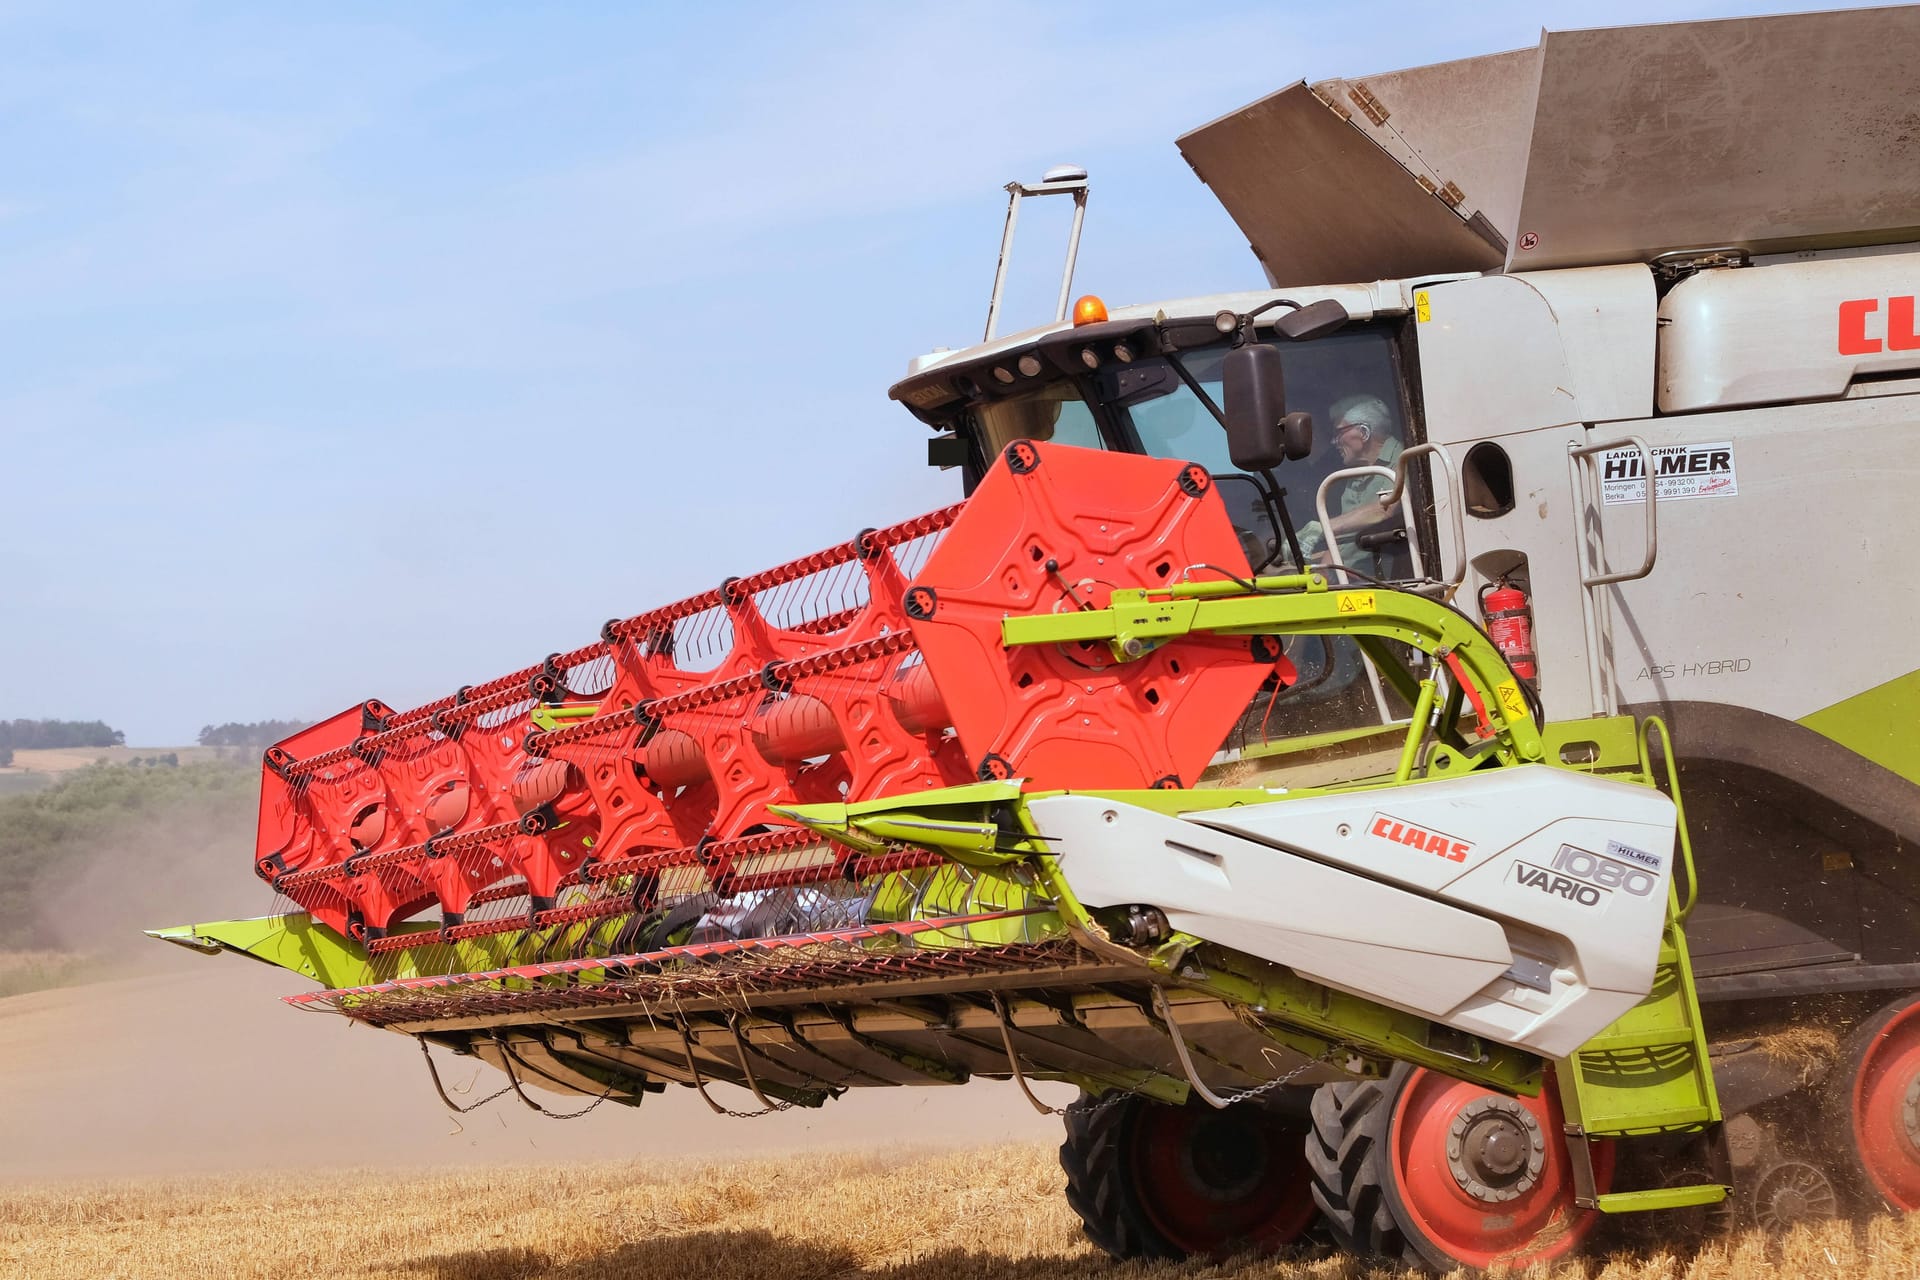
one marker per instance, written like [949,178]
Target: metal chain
[768,1106]
[513,1083]
[731,1114]
[1234,1099]
[1245,1094]
[438,1088]
[1116,1096]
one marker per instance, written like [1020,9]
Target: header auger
[951,800]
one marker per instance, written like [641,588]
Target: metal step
[1660,1198]
[1649,1073]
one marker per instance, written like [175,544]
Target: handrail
[1456,504]
[1398,474]
[1685,902]
[1333,543]
[1340,563]
[1653,521]
[1602,686]
[1398,494]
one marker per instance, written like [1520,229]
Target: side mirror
[1296,434]
[1254,386]
[1315,320]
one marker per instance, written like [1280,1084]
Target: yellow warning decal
[1512,701]
[1354,602]
[1422,308]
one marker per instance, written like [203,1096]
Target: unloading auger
[972,796]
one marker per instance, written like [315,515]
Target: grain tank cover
[1611,145]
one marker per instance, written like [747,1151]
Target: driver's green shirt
[1350,495]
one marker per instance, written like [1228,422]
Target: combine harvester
[1323,835]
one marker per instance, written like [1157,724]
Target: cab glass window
[1350,382]
[1054,412]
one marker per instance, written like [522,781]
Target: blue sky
[361,351]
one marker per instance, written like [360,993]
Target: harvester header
[669,743]
[956,758]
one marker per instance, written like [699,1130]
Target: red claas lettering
[1399,832]
[1900,331]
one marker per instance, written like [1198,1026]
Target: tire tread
[1347,1154]
[1092,1159]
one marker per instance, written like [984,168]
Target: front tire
[1429,1171]
[1151,1180]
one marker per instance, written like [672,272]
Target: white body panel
[1525,906]
[1500,354]
[1826,481]
[1787,331]
[1356,934]
[1825,494]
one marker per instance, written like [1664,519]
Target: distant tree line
[260,734]
[35,735]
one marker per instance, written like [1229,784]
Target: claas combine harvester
[1299,804]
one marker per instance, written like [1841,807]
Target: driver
[1363,434]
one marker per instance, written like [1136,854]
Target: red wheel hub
[1487,1178]
[1886,1110]
[1219,1182]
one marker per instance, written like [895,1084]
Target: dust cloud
[193,1064]
[189,858]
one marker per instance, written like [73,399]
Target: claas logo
[1864,333]
[1398,831]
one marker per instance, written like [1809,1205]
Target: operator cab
[1130,385]
[1155,383]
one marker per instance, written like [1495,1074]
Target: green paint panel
[1882,724]
[293,942]
[1661,1198]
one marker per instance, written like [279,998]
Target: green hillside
[87,859]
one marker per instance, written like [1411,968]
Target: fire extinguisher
[1509,616]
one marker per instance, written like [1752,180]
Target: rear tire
[1428,1171]
[1151,1180]
[1872,1108]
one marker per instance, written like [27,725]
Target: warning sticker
[1512,701]
[1422,306]
[1681,471]
[1354,602]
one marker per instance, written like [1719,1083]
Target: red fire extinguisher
[1509,616]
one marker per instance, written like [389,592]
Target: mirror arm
[1284,519]
[1265,307]
[1243,332]
[1193,385]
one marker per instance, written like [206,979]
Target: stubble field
[990,1213]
